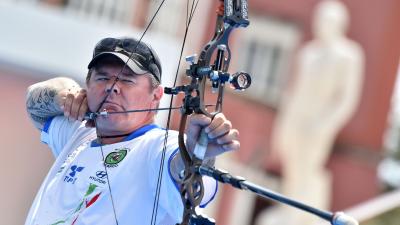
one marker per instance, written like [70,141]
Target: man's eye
[103,78]
[130,81]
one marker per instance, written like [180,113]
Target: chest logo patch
[100,178]
[70,178]
[113,158]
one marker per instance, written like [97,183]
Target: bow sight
[199,74]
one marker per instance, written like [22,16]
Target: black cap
[143,59]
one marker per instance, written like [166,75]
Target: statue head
[330,20]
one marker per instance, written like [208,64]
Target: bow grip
[201,145]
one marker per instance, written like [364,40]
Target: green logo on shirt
[113,158]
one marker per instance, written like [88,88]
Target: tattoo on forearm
[41,105]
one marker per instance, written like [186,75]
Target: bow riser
[192,188]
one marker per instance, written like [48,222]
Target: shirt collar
[137,133]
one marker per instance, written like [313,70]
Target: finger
[197,121]
[76,104]
[215,150]
[61,97]
[217,120]
[68,104]
[222,129]
[232,135]
[200,120]
[83,109]
[232,146]
[61,103]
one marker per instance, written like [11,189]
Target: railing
[382,210]
[379,211]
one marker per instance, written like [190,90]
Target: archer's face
[131,92]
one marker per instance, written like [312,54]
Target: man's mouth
[111,107]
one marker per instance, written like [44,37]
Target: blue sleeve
[57,131]
[44,136]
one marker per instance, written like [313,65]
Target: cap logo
[117,48]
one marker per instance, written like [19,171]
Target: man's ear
[158,92]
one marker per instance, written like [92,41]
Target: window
[265,51]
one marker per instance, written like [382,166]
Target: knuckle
[235,132]
[74,109]
[79,96]
[227,125]
[70,97]
[82,95]
[220,115]
[67,102]
[220,119]
[237,145]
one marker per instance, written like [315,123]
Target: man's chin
[110,125]
[112,120]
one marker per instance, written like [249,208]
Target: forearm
[42,100]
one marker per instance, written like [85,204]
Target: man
[106,170]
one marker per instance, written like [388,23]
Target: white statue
[321,101]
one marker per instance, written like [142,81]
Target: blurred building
[45,38]
[359,146]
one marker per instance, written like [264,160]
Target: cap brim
[135,66]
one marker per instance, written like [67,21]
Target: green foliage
[391,217]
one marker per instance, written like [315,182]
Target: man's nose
[112,86]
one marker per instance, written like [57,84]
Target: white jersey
[77,188]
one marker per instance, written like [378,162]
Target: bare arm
[45,99]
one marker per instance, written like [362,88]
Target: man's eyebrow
[100,69]
[101,73]
[129,73]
